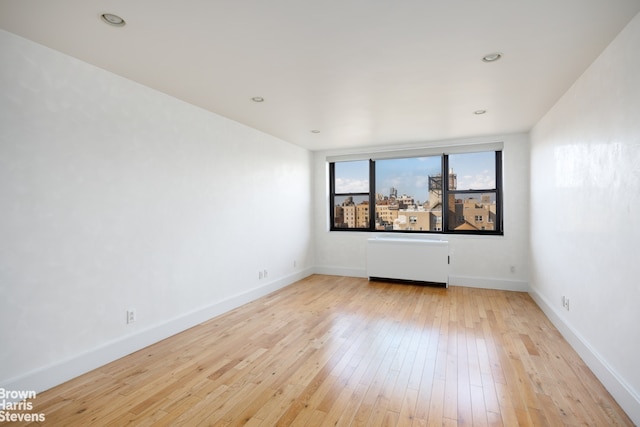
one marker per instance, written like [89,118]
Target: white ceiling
[363,72]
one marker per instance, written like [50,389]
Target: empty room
[356,213]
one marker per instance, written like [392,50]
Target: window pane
[351,212]
[352,177]
[409,194]
[472,171]
[472,211]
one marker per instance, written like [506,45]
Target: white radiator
[408,259]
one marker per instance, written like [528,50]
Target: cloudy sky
[410,176]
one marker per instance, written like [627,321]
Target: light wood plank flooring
[345,351]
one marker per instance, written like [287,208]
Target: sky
[410,176]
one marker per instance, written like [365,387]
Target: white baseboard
[57,373]
[626,397]
[341,271]
[489,283]
[468,281]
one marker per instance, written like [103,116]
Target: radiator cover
[397,258]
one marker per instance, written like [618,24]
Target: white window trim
[435,150]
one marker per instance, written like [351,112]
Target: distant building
[405,201]
[477,212]
[472,213]
[350,215]
[362,215]
[385,216]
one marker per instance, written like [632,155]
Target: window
[350,195]
[403,201]
[474,191]
[408,195]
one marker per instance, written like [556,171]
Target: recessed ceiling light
[112,19]
[315,131]
[257,99]
[492,57]
[479,112]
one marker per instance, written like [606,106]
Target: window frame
[446,192]
[332,198]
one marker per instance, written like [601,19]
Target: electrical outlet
[259,275]
[512,269]
[295,263]
[266,274]
[131,316]
[567,304]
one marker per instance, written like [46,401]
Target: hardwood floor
[344,351]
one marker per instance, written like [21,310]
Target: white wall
[115,196]
[585,223]
[478,261]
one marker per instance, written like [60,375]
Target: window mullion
[445,193]
[372,195]
[332,195]
[499,184]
